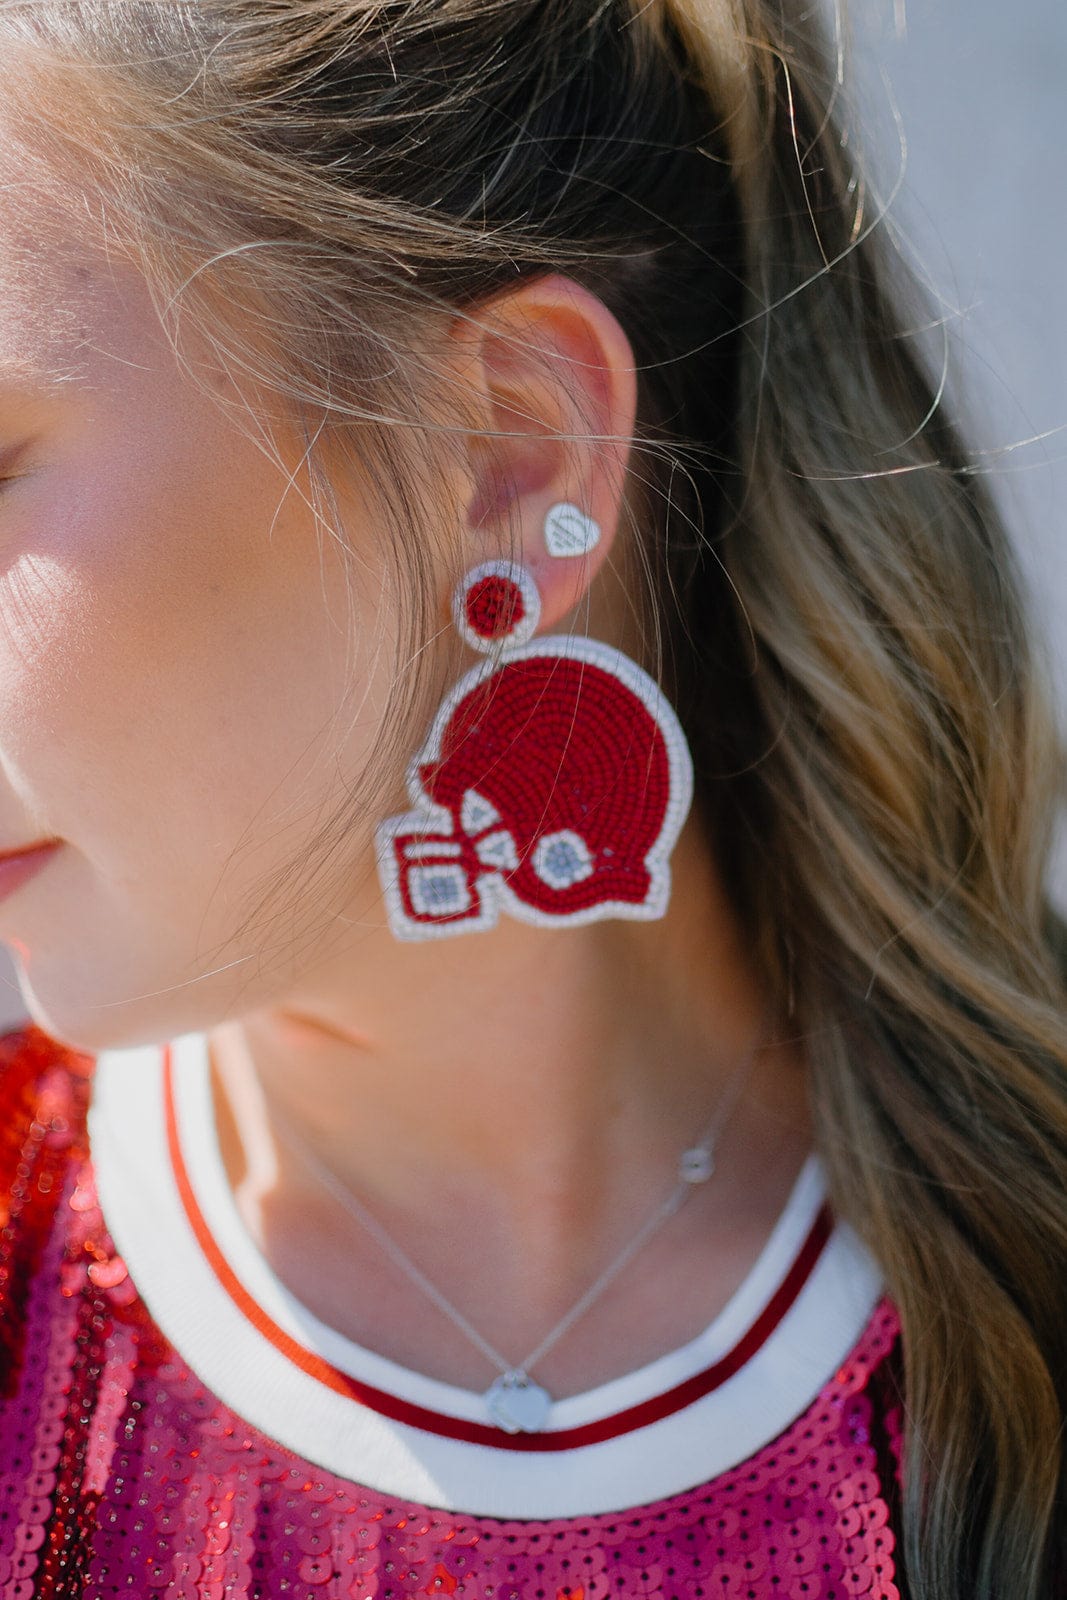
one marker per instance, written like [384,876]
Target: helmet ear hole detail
[497,603]
[562,859]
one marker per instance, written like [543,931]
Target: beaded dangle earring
[554,780]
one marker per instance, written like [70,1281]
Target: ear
[551,375]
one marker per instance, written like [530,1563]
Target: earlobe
[566,560]
[503,599]
[564,557]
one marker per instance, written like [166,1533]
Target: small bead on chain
[696,1165]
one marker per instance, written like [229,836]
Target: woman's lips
[16,866]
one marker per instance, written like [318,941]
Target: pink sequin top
[174,1422]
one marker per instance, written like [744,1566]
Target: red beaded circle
[494,606]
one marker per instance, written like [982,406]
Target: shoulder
[44,1097]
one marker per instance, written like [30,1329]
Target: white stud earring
[569,532]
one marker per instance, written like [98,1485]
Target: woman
[526,796]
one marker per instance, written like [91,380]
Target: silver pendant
[517,1404]
[696,1165]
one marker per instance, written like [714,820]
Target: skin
[192,678]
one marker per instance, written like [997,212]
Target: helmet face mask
[553,785]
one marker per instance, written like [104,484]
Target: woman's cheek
[176,673]
[90,728]
[47,621]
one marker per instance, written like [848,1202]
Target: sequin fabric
[121,1474]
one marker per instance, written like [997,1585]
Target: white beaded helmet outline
[495,894]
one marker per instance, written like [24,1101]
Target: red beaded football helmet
[553,783]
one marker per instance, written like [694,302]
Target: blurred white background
[963,102]
[963,108]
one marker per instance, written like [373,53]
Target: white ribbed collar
[677,1422]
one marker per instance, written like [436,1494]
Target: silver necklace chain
[515,1401]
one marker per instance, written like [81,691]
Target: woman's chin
[79,1013]
[123,1002]
[71,1024]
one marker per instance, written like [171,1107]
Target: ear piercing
[569,532]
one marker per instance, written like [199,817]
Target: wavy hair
[827,575]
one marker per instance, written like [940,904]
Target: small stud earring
[569,532]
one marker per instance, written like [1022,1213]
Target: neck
[530,1088]
[500,1052]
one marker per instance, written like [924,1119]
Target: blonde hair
[875,751]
